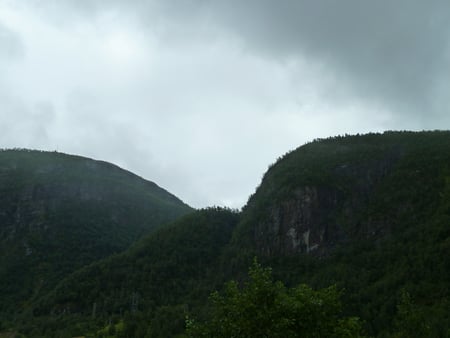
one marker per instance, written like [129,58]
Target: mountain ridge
[369,214]
[59,212]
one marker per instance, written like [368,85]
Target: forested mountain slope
[333,190]
[367,213]
[370,213]
[60,212]
[156,281]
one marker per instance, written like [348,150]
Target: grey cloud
[23,125]
[11,46]
[175,22]
[391,52]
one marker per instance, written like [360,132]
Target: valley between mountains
[347,236]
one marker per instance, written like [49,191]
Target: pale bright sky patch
[121,48]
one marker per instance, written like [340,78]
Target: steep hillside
[335,190]
[149,286]
[60,212]
[367,213]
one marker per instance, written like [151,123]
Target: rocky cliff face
[317,217]
[299,224]
[310,213]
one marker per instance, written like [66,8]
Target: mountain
[370,213]
[335,190]
[60,212]
[151,282]
[367,213]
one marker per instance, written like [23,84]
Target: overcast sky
[200,96]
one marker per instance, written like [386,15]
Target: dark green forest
[344,237]
[59,213]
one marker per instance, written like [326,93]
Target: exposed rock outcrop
[314,215]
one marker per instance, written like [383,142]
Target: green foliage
[59,213]
[167,321]
[387,229]
[264,308]
[383,205]
[410,320]
[150,285]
